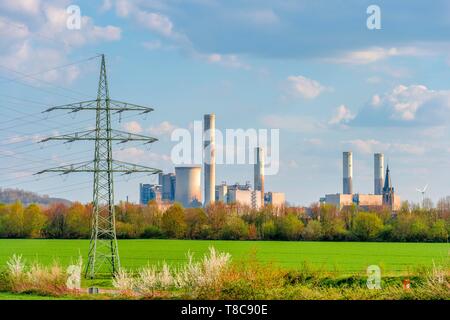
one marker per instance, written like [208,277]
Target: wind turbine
[422,191]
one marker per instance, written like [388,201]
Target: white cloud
[155,22]
[29,7]
[226,60]
[342,116]
[304,87]
[132,126]
[164,128]
[134,154]
[10,29]
[371,146]
[20,51]
[375,54]
[414,104]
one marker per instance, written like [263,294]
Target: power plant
[185,185]
[188,186]
[209,127]
[384,195]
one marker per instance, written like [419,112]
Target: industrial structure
[149,192]
[103,248]
[209,160]
[188,186]
[167,182]
[384,196]
[259,173]
[185,185]
[347,168]
[378,168]
[245,195]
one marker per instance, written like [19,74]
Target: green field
[342,257]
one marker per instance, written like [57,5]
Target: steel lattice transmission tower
[103,248]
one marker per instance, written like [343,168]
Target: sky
[312,69]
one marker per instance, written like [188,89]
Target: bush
[269,230]
[313,230]
[290,227]
[152,232]
[438,231]
[367,226]
[234,229]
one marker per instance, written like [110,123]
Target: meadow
[337,257]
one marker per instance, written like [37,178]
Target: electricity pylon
[103,248]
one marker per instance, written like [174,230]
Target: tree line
[232,222]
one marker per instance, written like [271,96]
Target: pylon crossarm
[127,168]
[114,105]
[116,135]
[89,166]
[125,106]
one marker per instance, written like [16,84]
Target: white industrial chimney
[209,157]
[347,172]
[378,173]
[259,172]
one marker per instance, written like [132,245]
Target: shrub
[367,226]
[290,227]
[269,230]
[152,232]
[36,279]
[313,230]
[234,229]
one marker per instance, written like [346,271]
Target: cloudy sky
[309,68]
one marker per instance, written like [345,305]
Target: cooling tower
[187,189]
[209,160]
[378,173]
[259,172]
[347,166]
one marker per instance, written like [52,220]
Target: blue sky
[309,68]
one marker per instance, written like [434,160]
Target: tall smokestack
[209,127]
[347,172]
[378,173]
[259,172]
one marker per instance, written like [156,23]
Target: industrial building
[243,194]
[188,186]
[167,182]
[149,192]
[384,195]
[275,199]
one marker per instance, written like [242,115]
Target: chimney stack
[209,127]
[347,172]
[259,173]
[378,173]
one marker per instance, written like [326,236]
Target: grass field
[341,257]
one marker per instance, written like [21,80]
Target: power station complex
[185,185]
[384,195]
